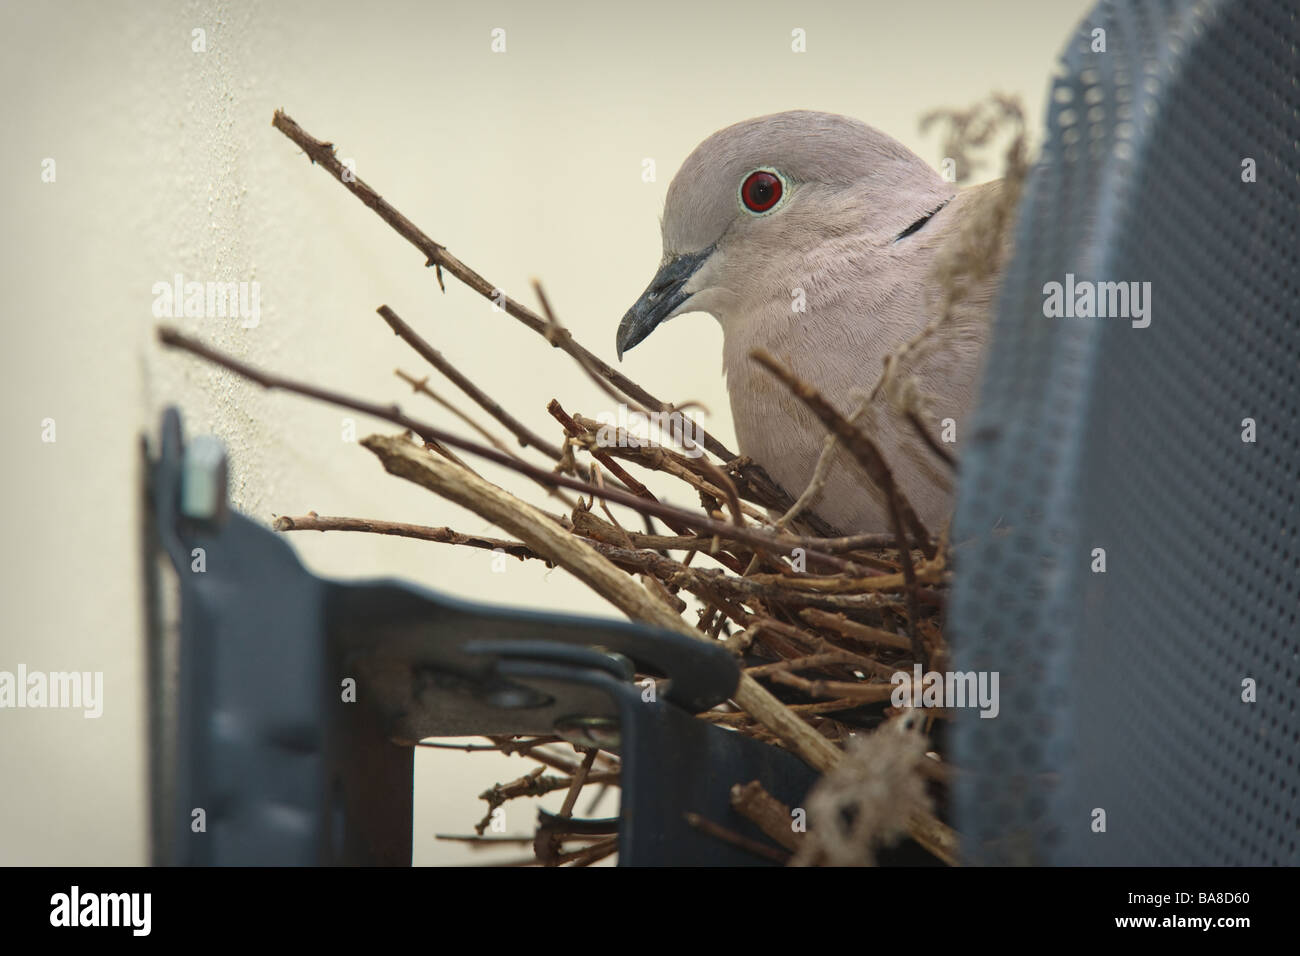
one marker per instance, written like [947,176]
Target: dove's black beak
[660,299]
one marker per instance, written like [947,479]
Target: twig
[767,812]
[522,432]
[700,473]
[806,710]
[500,793]
[901,514]
[314,522]
[865,693]
[821,473]
[859,445]
[855,631]
[574,430]
[421,385]
[552,331]
[644,560]
[712,583]
[736,839]
[547,844]
[392,413]
[580,779]
[840,584]
[947,457]
[810,642]
[567,766]
[806,662]
[592,854]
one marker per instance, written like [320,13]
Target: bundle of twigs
[821,618]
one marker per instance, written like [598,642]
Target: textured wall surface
[526,163]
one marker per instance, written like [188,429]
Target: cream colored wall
[526,163]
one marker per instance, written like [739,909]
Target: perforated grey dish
[1122,691]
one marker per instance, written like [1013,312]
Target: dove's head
[767,206]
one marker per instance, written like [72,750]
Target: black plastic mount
[284,707]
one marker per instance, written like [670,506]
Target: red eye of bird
[760,191]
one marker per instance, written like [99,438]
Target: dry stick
[766,811]
[599,480]
[729,493]
[658,587]
[873,462]
[736,839]
[807,661]
[645,560]
[497,795]
[522,432]
[590,526]
[701,474]
[931,442]
[821,707]
[711,582]
[855,631]
[859,445]
[575,430]
[873,562]
[592,854]
[530,786]
[838,585]
[562,763]
[864,693]
[919,650]
[814,643]
[711,585]
[821,473]
[314,522]
[852,542]
[522,745]
[322,154]
[553,330]
[548,846]
[392,413]
[586,527]
[402,458]
[421,385]
[579,781]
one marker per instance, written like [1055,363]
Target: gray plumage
[839,234]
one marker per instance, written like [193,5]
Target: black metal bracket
[284,706]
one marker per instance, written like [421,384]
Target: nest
[821,620]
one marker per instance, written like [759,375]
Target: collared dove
[819,211]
